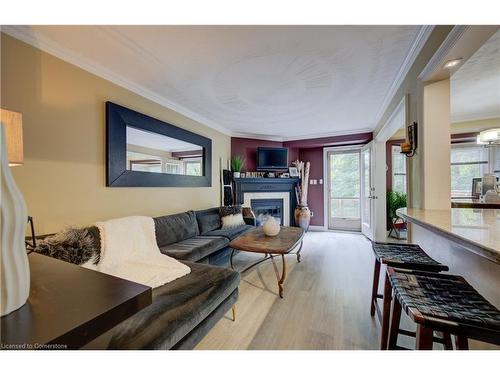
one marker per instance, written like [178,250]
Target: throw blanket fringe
[129,251]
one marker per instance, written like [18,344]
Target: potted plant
[395,201]
[237,163]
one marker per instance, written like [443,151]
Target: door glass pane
[366,186]
[344,185]
[398,170]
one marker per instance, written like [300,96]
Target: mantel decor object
[15,273]
[302,212]
[237,163]
[271,227]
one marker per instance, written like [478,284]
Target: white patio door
[343,182]
[367,191]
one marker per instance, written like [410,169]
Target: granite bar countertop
[476,229]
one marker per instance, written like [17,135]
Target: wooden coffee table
[255,241]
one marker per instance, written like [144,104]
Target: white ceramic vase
[14,267]
[271,227]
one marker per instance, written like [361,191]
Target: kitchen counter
[467,240]
[476,229]
[472,203]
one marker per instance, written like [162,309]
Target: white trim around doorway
[325,178]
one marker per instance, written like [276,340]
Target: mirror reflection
[157,153]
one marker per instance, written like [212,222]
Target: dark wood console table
[69,306]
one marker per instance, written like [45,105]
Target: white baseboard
[316,228]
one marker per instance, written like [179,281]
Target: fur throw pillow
[231,216]
[73,245]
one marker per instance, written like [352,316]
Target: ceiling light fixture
[490,137]
[452,63]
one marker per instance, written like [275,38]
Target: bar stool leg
[386,313]
[461,343]
[376,277]
[424,338]
[394,327]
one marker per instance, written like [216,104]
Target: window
[470,161]
[398,170]
[172,168]
[193,166]
[344,185]
[142,162]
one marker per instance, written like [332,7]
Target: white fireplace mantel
[283,195]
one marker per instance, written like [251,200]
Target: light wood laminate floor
[325,305]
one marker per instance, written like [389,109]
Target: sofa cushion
[178,307]
[208,220]
[194,248]
[230,233]
[175,228]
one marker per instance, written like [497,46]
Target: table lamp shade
[13,122]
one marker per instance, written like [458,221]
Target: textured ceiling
[475,87]
[286,81]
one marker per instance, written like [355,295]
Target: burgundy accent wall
[315,197]
[247,147]
[306,150]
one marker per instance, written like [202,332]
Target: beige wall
[63,177]
[436,145]
[474,126]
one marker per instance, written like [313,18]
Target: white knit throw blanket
[129,251]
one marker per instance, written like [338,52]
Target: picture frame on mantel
[294,172]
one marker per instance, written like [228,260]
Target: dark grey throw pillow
[229,210]
[73,245]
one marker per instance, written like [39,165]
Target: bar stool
[445,303]
[406,256]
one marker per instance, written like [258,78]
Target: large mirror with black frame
[144,151]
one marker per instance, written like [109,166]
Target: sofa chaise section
[195,248]
[182,312]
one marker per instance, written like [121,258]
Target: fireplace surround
[267,191]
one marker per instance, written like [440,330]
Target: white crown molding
[327,134]
[386,131]
[417,45]
[49,46]
[438,58]
[262,137]
[265,137]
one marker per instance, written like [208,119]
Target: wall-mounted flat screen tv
[272,158]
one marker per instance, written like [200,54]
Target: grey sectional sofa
[184,310]
[197,236]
